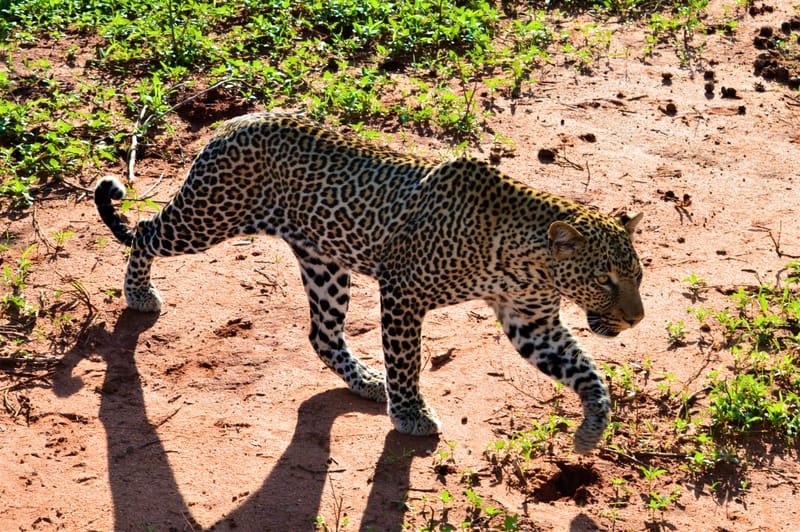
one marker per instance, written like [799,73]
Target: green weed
[697,285]
[60,237]
[676,333]
[14,304]
[473,513]
[701,313]
[533,442]
[678,25]
[625,377]
[660,502]
[762,396]
[40,142]
[393,457]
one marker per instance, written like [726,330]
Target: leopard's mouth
[598,326]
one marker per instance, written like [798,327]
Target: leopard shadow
[292,495]
[143,487]
[145,492]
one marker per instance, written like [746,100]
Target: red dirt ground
[217,414]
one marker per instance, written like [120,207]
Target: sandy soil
[217,414]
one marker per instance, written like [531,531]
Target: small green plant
[530,443]
[660,502]
[14,303]
[621,492]
[678,25]
[132,202]
[393,457]
[60,237]
[587,43]
[651,473]
[624,376]
[701,313]
[482,515]
[18,190]
[676,333]
[16,278]
[696,285]
[437,517]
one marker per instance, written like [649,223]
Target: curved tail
[107,189]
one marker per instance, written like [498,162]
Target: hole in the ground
[570,481]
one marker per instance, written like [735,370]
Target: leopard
[432,233]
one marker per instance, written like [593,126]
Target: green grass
[763,331]
[335,60]
[428,65]
[48,135]
[467,510]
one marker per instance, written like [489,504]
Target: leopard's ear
[630,221]
[564,240]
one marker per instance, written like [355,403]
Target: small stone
[546,156]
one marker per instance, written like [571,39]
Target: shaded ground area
[216,414]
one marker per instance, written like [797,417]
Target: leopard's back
[288,176]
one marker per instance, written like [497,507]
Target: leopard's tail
[107,189]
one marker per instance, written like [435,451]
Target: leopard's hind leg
[172,231]
[327,286]
[140,293]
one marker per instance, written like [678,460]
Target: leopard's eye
[603,280]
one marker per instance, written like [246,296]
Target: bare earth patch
[217,414]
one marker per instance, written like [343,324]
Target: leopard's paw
[596,416]
[144,299]
[420,421]
[362,380]
[371,385]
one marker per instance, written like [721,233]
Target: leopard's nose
[634,319]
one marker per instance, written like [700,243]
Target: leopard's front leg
[401,327]
[535,331]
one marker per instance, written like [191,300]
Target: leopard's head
[594,264]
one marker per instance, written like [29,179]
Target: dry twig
[776,242]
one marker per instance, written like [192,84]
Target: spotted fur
[431,234]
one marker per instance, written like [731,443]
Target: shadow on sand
[144,488]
